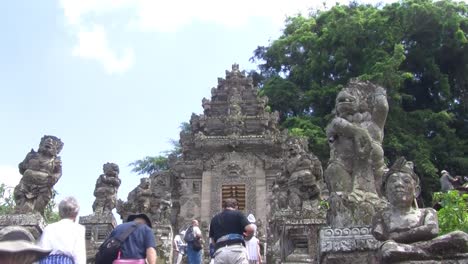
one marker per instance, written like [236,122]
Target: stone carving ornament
[410,233]
[41,170]
[106,189]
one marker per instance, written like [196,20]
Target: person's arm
[258,252]
[151,256]
[427,231]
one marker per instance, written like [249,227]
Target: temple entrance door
[236,191]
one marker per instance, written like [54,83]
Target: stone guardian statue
[41,170]
[106,189]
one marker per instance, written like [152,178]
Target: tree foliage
[7,205]
[454,212]
[416,49]
[152,164]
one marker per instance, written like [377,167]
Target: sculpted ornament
[41,170]
[408,232]
[106,189]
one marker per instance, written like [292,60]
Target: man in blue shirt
[141,243]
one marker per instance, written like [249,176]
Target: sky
[114,79]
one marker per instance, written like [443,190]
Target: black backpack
[109,249]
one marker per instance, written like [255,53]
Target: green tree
[151,164]
[454,212]
[416,49]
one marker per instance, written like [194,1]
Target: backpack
[109,250]
[189,236]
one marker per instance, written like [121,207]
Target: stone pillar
[33,222]
[98,228]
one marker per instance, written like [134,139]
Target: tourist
[179,247]
[446,181]
[17,245]
[227,231]
[140,245]
[193,238]
[253,244]
[65,237]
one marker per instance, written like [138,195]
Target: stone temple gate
[235,149]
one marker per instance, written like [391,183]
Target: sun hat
[17,239]
[251,218]
[144,216]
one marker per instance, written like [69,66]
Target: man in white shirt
[65,237]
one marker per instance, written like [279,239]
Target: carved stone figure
[141,195]
[355,136]
[411,233]
[356,156]
[41,170]
[106,189]
[304,173]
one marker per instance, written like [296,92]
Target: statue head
[111,169]
[401,184]
[50,145]
[347,101]
[144,183]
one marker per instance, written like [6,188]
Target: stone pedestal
[293,239]
[348,245]
[34,222]
[98,228]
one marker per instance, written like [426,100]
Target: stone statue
[164,210]
[41,170]
[304,171]
[355,136]
[356,161]
[106,189]
[410,233]
[140,197]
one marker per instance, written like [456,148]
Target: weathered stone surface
[356,156]
[33,222]
[106,189]
[347,240]
[98,227]
[41,170]
[410,233]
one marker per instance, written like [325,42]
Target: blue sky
[114,79]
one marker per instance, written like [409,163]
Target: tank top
[252,248]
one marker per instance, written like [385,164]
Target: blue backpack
[189,236]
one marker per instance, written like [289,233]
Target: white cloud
[89,20]
[9,175]
[93,45]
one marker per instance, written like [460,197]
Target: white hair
[68,207]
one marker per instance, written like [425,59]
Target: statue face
[48,146]
[346,103]
[400,189]
[110,169]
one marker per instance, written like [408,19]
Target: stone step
[298,258]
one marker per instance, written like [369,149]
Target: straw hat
[16,239]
